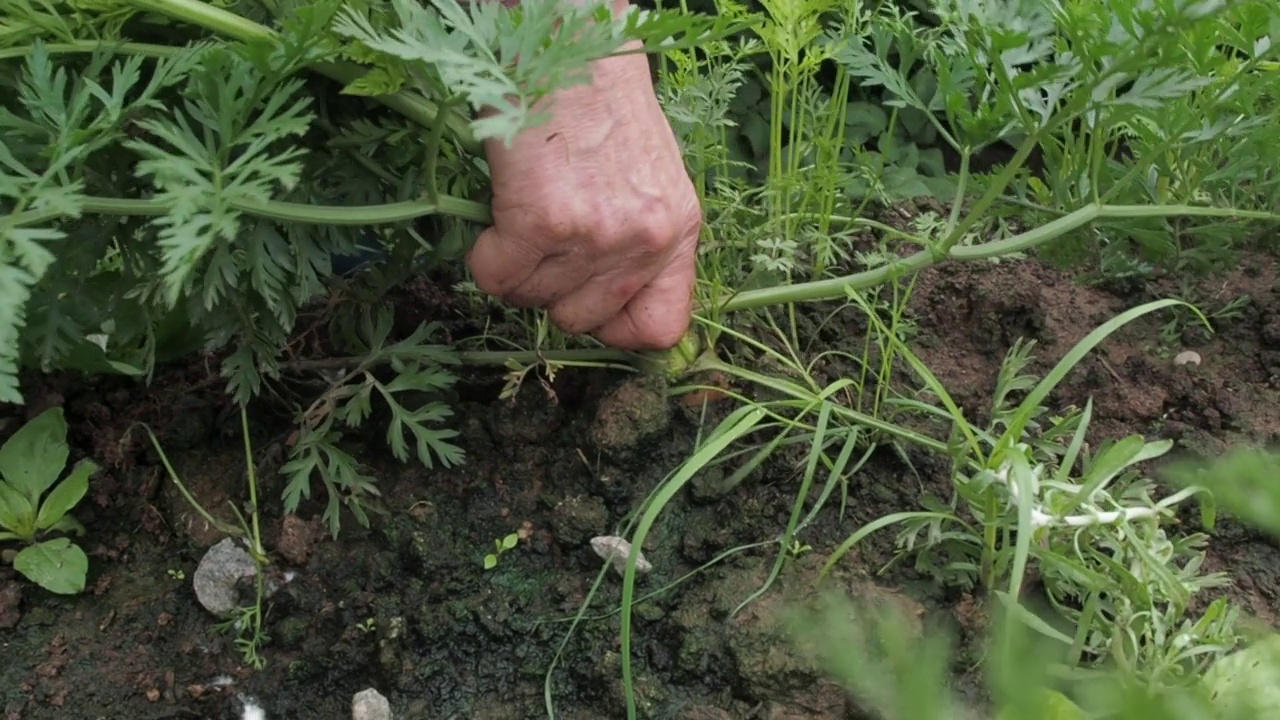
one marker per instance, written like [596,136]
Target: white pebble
[618,551]
[1187,356]
[253,711]
[370,704]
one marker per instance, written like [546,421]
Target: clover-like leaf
[57,565]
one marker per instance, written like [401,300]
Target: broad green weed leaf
[1055,706]
[864,121]
[1243,482]
[89,357]
[1059,707]
[1243,684]
[65,496]
[33,458]
[16,513]
[57,565]
[66,524]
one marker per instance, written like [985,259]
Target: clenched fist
[594,215]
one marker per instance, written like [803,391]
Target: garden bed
[408,608]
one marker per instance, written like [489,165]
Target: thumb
[499,263]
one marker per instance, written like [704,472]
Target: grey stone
[217,577]
[370,704]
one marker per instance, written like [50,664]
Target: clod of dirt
[703,712]
[528,418]
[212,482]
[218,577]
[10,600]
[391,637]
[297,538]
[712,485]
[629,416]
[778,666]
[578,518]
[618,551]
[824,701]
[370,705]
[1271,329]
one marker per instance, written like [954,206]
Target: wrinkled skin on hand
[595,217]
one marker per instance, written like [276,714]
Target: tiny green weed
[500,547]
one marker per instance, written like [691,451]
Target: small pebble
[1187,357]
[252,710]
[370,705]
[618,551]
[216,577]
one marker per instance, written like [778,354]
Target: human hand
[594,215]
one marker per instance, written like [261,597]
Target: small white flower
[618,551]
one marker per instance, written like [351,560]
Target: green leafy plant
[901,672]
[246,622]
[175,180]
[34,503]
[500,547]
[351,385]
[1097,536]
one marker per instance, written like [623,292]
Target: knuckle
[653,235]
[656,230]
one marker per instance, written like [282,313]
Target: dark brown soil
[406,606]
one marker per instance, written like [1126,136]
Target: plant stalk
[282,211]
[88,46]
[835,288]
[492,357]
